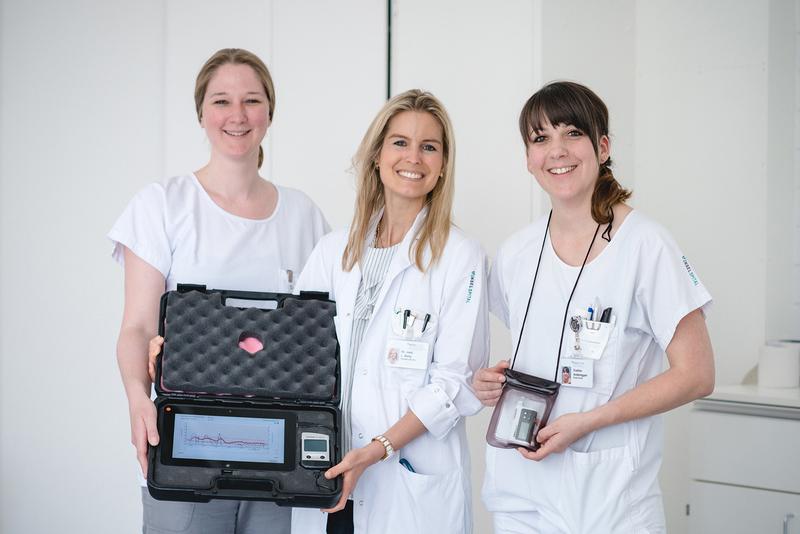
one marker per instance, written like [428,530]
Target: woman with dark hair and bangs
[597,287]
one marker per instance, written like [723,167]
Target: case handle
[244,487]
[254,295]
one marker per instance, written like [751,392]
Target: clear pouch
[526,401]
[522,411]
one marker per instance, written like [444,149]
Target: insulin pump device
[524,424]
[315,450]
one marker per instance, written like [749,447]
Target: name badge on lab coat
[406,354]
[577,372]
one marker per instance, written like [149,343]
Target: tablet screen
[229,439]
[227,436]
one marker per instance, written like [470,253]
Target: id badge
[577,372]
[406,354]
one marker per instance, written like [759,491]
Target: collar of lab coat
[402,257]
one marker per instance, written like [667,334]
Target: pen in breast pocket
[425,321]
[606,317]
[290,279]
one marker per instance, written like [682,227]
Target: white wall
[781,107]
[81,128]
[96,101]
[701,154]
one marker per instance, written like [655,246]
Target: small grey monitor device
[315,450]
[524,425]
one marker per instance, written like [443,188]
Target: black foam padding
[201,351]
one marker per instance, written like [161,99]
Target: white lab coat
[388,497]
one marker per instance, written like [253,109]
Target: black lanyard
[566,311]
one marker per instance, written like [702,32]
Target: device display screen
[232,439]
[315,445]
[216,436]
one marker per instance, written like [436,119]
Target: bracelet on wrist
[387,446]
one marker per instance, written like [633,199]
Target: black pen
[606,317]
[406,313]
[425,322]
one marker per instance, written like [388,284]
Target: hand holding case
[203,369]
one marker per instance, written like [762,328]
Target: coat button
[363,371]
[447,405]
[361,503]
[360,435]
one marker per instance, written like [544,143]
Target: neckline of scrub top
[233,216]
[617,235]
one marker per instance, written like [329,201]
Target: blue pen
[405,463]
[591,313]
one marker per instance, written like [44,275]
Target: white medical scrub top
[607,480]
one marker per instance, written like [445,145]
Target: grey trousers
[215,517]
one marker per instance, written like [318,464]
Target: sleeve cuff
[435,409]
[141,251]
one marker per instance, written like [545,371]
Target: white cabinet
[745,462]
[733,509]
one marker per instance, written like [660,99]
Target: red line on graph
[220,440]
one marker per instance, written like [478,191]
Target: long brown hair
[435,230]
[577,105]
[235,56]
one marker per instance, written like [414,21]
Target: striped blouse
[374,267]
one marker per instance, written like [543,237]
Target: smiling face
[411,157]
[235,112]
[564,162]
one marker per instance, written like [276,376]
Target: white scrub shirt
[178,229]
[607,480]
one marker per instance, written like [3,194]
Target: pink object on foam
[251,345]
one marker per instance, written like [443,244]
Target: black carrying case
[202,368]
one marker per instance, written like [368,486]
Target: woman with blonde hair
[412,328]
[223,226]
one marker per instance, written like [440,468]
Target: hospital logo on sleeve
[471,286]
[689,270]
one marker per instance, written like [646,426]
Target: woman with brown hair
[412,326]
[600,289]
[223,226]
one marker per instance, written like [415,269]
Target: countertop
[789,397]
[753,400]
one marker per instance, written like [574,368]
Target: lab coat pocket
[595,490]
[437,502]
[409,348]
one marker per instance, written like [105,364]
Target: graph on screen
[223,438]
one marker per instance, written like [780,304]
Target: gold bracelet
[387,445]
